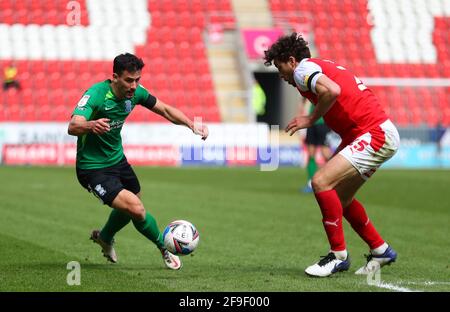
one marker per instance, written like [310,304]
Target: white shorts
[369,151]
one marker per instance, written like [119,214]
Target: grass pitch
[257,232]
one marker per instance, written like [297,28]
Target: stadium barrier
[166,145]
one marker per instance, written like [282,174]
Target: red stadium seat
[54,81]
[175,57]
[12,97]
[186,20]
[29,113]
[61,113]
[13,112]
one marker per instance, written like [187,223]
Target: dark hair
[128,62]
[285,47]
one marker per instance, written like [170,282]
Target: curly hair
[285,47]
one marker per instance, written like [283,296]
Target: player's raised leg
[145,223]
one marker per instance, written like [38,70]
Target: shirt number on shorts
[359,145]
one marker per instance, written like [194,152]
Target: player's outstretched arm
[177,117]
[79,125]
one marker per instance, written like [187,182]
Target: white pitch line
[426,283]
[394,287]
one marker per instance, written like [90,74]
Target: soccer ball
[181,237]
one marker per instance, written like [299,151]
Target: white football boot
[170,260]
[386,258]
[107,249]
[328,265]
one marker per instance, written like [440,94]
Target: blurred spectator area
[57,62]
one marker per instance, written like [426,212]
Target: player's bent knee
[137,211]
[141,213]
[319,184]
[130,203]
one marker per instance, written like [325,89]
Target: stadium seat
[345,31]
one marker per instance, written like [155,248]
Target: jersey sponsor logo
[115,124]
[127,106]
[83,101]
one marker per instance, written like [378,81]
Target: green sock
[116,221]
[149,229]
[311,167]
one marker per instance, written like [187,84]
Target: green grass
[257,232]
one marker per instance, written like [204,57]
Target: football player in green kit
[101,165]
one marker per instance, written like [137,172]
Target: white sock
[379,250]
[341,255]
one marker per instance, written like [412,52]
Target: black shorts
[106,183]
[317,134]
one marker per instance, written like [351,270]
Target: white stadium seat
[407,26]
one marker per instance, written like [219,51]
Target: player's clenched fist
[100,126]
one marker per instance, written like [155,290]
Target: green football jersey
[100,151]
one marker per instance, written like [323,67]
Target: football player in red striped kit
[369,139]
